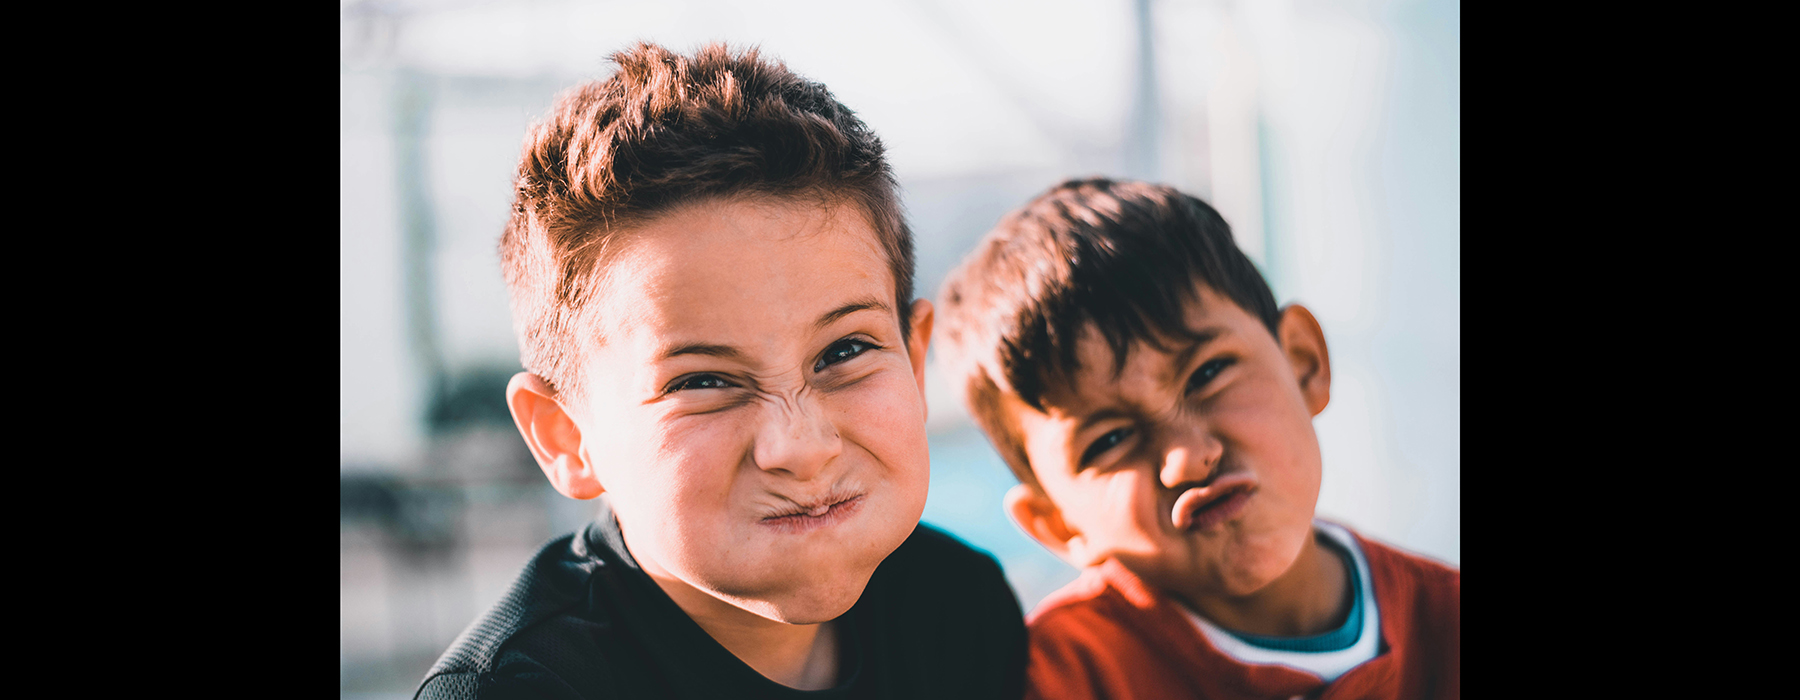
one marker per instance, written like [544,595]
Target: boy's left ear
[920,341]
[1303,342]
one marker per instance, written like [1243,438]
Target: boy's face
[750,405]
[1197,469]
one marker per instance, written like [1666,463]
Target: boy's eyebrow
[732,353]
[725,351]
[1198,341]
[863,304]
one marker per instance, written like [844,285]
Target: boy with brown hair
[1132,368]
[712,285]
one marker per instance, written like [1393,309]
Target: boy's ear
[552,435]
[1303,341]
[920,318]
[1039,517]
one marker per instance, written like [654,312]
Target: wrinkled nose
[797,437]
[1192,455]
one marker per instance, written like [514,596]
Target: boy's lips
[1204,507]
[808,517]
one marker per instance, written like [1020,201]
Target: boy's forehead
[714,266]
[711,230]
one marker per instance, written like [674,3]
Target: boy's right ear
[1039,517]
[920,318]
[552,435]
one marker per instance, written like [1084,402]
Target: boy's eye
[1106,442]
[1207,371]
[700,381]
[840,351]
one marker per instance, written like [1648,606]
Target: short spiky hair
[666,130]
[1121,257]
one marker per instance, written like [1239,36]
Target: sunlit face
[1197,469]
[751,410]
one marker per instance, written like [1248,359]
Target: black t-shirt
[937,620]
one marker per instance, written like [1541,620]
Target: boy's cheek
[890,409]
[909,388]
[656,458]
[702,447]
[1249,412]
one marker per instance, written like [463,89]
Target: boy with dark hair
[712,286]
[1131,367]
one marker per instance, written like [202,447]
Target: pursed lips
[1208,505]
[806,516]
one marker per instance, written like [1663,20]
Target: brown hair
[1121,257]
[666,130]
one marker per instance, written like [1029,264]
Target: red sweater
[1108,635]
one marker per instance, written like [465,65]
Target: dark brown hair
[666,130]
[1121,257]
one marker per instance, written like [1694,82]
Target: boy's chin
[1244,571]
[817,580]
[808,605]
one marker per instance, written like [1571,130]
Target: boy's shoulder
[552,587]
[1420,599]
[934,574]
[1420,603]
[1111,632]
[581,621]
[939,619]
[1406,581]
[1108,634]
[1109,590]
[1105,601]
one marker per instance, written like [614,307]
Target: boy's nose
[1191,458]
[797,437]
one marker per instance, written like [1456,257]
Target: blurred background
[1327,132]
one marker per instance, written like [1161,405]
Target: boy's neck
[804,657]
[1312,597]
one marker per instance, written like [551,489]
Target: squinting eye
[1207,372]
[840,351]
[701,381]
[1106,442]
